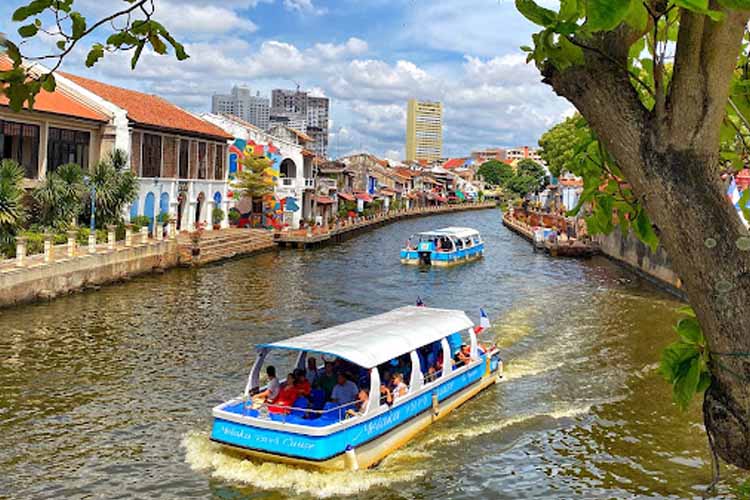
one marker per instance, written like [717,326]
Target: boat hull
[373,450]
[444,259]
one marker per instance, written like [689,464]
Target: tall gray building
[298,110]
[243,104]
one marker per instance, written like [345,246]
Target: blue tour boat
[444,247]
[419,341]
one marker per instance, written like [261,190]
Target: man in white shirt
[344,391]
[272,389]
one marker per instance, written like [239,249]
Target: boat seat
[299,405]
[318,397]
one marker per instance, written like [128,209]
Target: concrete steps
[224,244]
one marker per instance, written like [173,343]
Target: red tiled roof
[301,135]
[55,102]
[324,200]
[406,172]
[150,110]
[454,163]
[364,197]
[346,196]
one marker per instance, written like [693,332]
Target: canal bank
[66,269]
[108,394]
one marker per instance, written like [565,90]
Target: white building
[180,161]
[292,166]
[243,104]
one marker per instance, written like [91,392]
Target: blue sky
[368,56]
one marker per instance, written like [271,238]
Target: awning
[441,199]
[375,340]
[346,196]
[387,192]
[364,197]
[324,200]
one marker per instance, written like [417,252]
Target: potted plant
[217,215]
[234,217]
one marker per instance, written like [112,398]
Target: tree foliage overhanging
[132,29]
[662,84]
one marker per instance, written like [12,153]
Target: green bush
[163,218]
[217,215]
[234,216]
[140,221]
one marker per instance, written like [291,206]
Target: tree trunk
[673,169]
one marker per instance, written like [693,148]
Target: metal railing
[265,410]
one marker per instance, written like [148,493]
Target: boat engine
[424,250]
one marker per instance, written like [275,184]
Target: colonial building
[179,159]
[59,130]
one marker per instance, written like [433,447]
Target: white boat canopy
[458,232]
[372,341]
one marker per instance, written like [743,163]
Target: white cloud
[197,20]
[303,6]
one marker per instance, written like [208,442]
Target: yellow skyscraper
[424,130]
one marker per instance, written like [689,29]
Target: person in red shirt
[286,397]
[301,384]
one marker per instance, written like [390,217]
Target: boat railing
[281,413]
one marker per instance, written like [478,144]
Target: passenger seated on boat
[462,356]
[301,384]
[327,380]
[287,396]
[431,374]
[399,387]
[272,389]
[312,370]
[386,397]
[360,404]
[345,390]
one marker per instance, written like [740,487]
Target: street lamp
[92,187]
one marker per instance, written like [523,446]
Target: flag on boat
[733,193]
[484,322]
[419,301]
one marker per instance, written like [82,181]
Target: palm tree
[12,212]
[59,199]
[116,187]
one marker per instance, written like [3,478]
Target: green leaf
[32,9]
[48,82]
[79,24]
[28,30]
[735,4]
[96,53]
[644,230]
[61,44]
[637,16]
[686,310]
[686,385]
[701,7]
[673,357]
[605,15]
[157,44]
[690,331]
[137,54]
[535,13]
[568,9]
[704,382]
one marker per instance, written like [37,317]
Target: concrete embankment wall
[634,254]
[49,280]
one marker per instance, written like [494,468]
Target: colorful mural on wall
[273,207]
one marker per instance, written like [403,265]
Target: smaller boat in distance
[443,247]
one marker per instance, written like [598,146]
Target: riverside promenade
[343,229]
[69,268]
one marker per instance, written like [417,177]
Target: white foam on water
[454,435]
[203,455]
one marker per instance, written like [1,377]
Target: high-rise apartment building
[243,104]
[424,131]
[298,110]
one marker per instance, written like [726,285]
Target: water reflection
[109,393]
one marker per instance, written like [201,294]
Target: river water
[108,394]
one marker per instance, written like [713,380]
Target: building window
[20,143]
[219,167]
[151,156]
[202,160]
[184,159]
[67,146]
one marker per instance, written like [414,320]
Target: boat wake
[203,455]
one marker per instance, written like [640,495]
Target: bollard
[48,248]
[129,235]
[158,231]
[172,229]
[72,235]
[21,245]
[92,242]
[111,236]
[144,235]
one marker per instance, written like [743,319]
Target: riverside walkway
[315,236]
